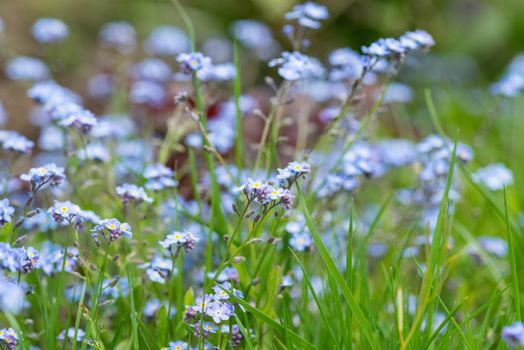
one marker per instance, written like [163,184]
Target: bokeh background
[476,39]
[487,31]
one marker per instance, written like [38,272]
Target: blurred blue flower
[167,41]
[49,30]
[6,211]
[294,66]
[26,68]
[118,35]
[514,334]
[308,14]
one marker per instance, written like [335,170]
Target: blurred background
[476,40]
[489,32]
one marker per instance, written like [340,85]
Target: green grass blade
[331,267]
[513,261]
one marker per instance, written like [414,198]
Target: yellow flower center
[64,209]
[112,226]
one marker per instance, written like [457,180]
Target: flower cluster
[512,82]
[308,15]
[70,334]
[398,48]
[20,260]
[300,236]
[159,177]
[52,258]
[292,172]
[132,193]
[295,66]
[158,269]
[177,240]
[46,174]
[9,338]
[347,65]
[66,212]
[494,176]
[265,194]
[112,229]
[216,307]
[55,97]
[13,141]
[6,211]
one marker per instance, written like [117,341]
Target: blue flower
[511,85]
[495,176]
[297,66]
[20,260]
[167,41]
[159,177]
[219,311]
[153,69]
[308,14]
[13,141]
[66,212]
[46,174]
[6,211]
[130,192]
[9,338]
[347,65]
[287,281]
[264,47]
[217,72]
[158,269]
[49,30]
[62,110]
[101,85]
[514,334]
[177,239]
[118,35]
[112,229]
[70,333]
[26,68]
[94,151]
[152,306]
[82,120]
[417,40]
[149,93]
[397,48]
[178,345]
[28,259]
[208,327]
[192,61]
[12,296]
[300,241]
[49,92]
[52,257]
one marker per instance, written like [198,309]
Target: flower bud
[238,259]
